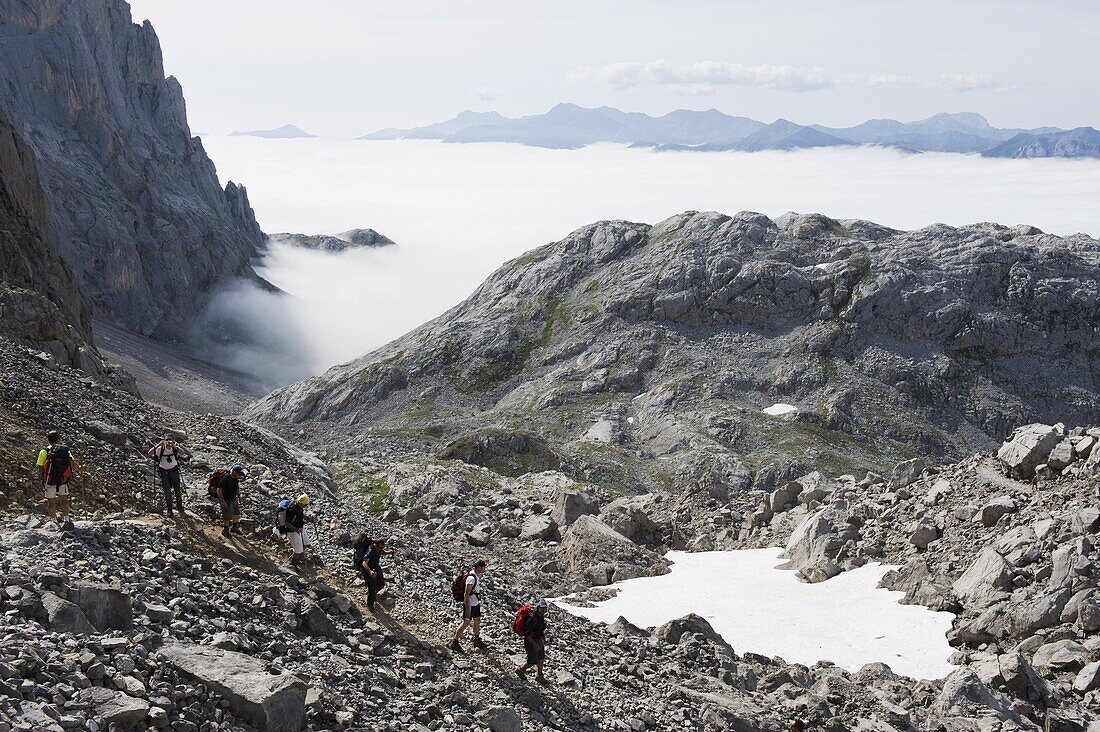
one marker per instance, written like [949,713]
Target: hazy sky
[347,67]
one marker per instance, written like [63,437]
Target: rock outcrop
[132,198]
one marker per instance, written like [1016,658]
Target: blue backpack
[280,516]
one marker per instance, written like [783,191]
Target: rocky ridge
[638,357]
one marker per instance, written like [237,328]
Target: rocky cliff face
[134,200]
[645,355]
[40,305]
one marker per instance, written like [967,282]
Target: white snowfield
[779,409]
[757,607]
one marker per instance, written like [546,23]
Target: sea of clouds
[458,211]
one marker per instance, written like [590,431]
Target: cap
[479,563]
[239,470]
[303,499]
[542,603]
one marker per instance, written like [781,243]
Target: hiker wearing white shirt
[471,607]
[167,455]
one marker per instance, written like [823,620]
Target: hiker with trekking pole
[167,454]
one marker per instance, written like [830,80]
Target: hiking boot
[542,680]
[521,672]
[456,646]
[478,643]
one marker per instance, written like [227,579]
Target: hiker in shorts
[372,570]
[296,529]
[471,608]
[56,467]
[534,641]
[167,455]
[229,496]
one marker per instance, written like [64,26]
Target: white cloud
[969,83]
[704,77]
[487,94]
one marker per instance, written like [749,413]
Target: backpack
[59,467]
[215,479]
[519,625]
[362,546]
[280,516]
[458,587]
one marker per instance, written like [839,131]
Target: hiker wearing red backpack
[56,467]
[467,590]
[530,623]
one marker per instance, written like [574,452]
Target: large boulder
[539,527]
[64,616]
[815,547]
[985,581]
[500,719]
[106,607]
[507,452]
[1028,447]
[631,516]
[1024,619]
[991,512]
[965,697]
[784,497]
[602,555]
[908,472]
[114,708]
[315,622]
[269,702]
[674,630]
[1060,655]
[570,504]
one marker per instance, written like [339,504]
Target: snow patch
[757,607]
[779,409]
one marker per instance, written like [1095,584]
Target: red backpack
[215,478]
[519,625]
[458,587]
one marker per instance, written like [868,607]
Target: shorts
[535,652]
[299,540]
[475,612]
[232,509]
[53,491]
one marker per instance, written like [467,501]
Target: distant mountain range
[571,126]
[284,132]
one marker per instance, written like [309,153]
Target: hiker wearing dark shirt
[534,641]
[168,455]
[296,529]
[372,570]
[229,496]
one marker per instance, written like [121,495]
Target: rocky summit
[640,357]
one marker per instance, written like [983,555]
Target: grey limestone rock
[1028,447]
[134,201]
[273,703]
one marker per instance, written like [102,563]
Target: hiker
[372,570]
[229,496]
[531,624]
[167,455]
[56,467]
[296,529]
[471,606]
[797,725]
